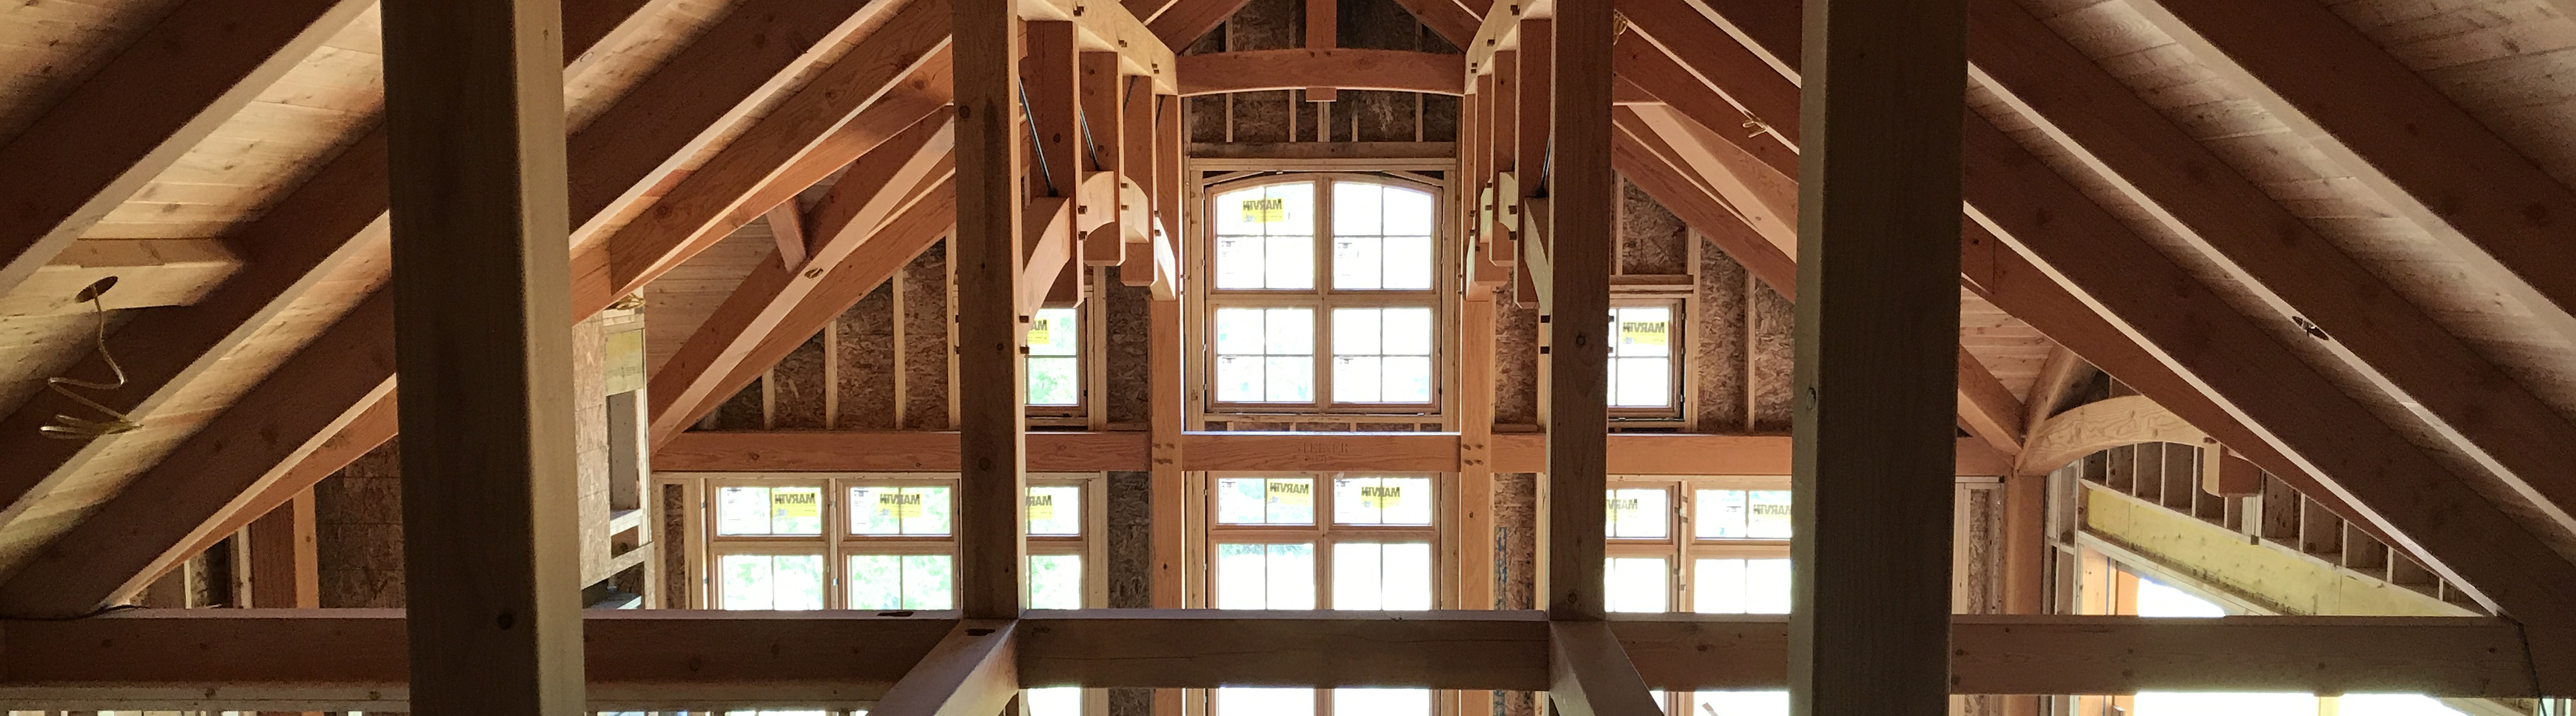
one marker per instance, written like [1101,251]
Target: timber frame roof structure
[2335,237]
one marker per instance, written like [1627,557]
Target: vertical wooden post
[1583,195]
[285,570]
[475,137]
[990,330]
[1323,32]
[1104,124]
[1537,68]
[1877,334]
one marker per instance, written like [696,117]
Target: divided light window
[1706,545]
[1324,541]
[878,542]
[1322,296]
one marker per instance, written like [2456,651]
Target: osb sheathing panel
[675,559]
[1980,531]
[742,411]
[925,340]
[357,519]
[867,362]
[1516,563]
[1515,361]
[1130,540]
[1772,320]
[1651,239]
[1717,345]
[797,381]
[1128,354]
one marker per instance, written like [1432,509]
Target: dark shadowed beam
[991,330]
[492,569]
[1877,356]
[1184,21]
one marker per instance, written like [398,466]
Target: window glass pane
[1289,262]
[742,511]
[1381,702]
[1055,581]
[1054,332]
[2393,705]
[1641,382]
[1740,586]
[1265,355]
[1055,510]
[1742,703]
[1382,355]
[1265,237]
[887,510]
[1637,584]
[1408,263]
[1641,369]
[2166,703]
[1244,701]
[765,581]
[1382,500]
[1355,261]
[1055,375]
[1358,379]
[1240,501]
[1057,701]
[1289,331]
[1291,501]
[1639,514]
[904,581]
[1408,212]
[1265,576]
[1767,514]
[2158,600]
[1355,210]
[1393,576]
[1720,514]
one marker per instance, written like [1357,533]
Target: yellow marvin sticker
[1291,493]
[1265,211]
[1618,506]
[1642,333]
[1041,508]
[1381,497]
[1039,334]
[899,505]
[794,504]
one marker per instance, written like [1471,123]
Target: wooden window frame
[839,541]
[1322,533]
[1441,298]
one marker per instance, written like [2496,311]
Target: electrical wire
[68,427]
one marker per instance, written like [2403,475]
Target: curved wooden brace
[1255,70]
[2102,425]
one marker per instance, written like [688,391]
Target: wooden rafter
[137,114]
[930,215]
[289,660]
[1184,21]
[1446,18]
[2185,186]
[2444,170]
[303,239]
[2247,374]
[847,218]
[910,40]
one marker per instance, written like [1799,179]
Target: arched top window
[1322,294]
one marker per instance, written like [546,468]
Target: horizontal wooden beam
[922,451]
[148,272]
[350,659]
[1300,68]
